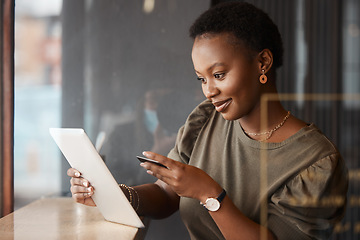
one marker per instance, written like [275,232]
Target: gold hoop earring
[263,77]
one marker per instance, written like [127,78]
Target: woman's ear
[265,60]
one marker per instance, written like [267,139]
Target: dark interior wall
[129,51]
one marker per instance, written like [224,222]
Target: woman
[216,159]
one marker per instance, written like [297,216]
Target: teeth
[223,106]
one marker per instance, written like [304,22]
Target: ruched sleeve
[187,135]
[308,205]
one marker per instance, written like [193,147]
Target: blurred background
[122,70]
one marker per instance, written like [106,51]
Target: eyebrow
[218,64]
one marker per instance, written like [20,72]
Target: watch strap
[221,196]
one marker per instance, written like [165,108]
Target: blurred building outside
[37,99]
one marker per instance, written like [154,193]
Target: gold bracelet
[138,198]
[130,194]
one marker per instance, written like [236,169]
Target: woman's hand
[81,188]
[185,180]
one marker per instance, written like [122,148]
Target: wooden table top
[62,218]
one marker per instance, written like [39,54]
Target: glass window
[37,99]
[120,70]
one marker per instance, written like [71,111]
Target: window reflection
[351,50]
[37,98]
[152,126]
[301,51]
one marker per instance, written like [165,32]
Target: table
[62,218]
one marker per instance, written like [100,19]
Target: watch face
[212,204]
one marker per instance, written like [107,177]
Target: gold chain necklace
[270,132]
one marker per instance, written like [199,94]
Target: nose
[210,89]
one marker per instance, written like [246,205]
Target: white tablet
[82,155]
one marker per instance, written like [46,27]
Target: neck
[275,114]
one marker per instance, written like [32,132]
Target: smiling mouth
[222,105]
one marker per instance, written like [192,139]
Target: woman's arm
[157,200]
[192,182]
[233,224]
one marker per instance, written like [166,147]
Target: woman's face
[229,75]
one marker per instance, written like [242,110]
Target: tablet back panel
[82,155]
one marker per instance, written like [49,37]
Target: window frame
[7,107]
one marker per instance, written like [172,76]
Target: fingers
[80,181]
[157,157]
[72,172]
[161,159]
[81,188]
[76,189]
[164,174]
[79,193]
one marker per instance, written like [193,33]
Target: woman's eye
[203,80]
[219,75]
